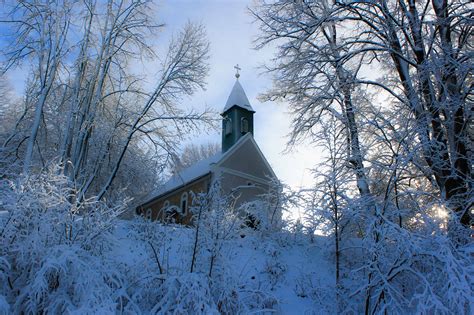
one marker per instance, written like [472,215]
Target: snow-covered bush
[4,268]
[233,294]
[56,246]
[265,214]
[298,231]
[156,246]
[408,272]
[216,222]
[259,301]
[305,285]
[275,271]
[227,295]
[154,237]
[144,286]
[185,294]
[69,279]
[274,268]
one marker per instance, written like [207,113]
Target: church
[241,168]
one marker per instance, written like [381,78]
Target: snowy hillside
[57,256]
[277,273]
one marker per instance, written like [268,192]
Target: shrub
[56,247]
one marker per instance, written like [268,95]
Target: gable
[247,158]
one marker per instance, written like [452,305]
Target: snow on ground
[296,272]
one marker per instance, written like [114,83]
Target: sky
[231,33]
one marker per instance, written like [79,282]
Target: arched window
[164,208]
[184,203]
[228,126]
[244,125]
[166,204]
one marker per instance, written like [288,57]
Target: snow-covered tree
[422,52]
[85,105]
[396,76]
[310,72]
[54,249]
[193,153]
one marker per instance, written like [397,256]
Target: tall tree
[310,73]
[40,32]
[423,51]
[91,110]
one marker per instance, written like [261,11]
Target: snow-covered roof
[189,174]
[238,98]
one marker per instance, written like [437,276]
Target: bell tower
[237,116]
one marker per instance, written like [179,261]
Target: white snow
[238,98]
[294,274]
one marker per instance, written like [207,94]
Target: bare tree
[429,74]
[193,153]
[310,73]
[182,74]
[39,32]
[91,112]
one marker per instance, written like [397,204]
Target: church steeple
[237,115]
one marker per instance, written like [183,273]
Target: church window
[184,203]
[244,125]
[228,126]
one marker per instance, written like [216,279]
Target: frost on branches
[54,250]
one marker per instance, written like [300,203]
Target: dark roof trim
[223,113]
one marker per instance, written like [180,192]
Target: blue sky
[231,32]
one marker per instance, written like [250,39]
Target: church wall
[245,189]
[247,160]
[174,199]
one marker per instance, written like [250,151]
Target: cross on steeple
[237,68]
